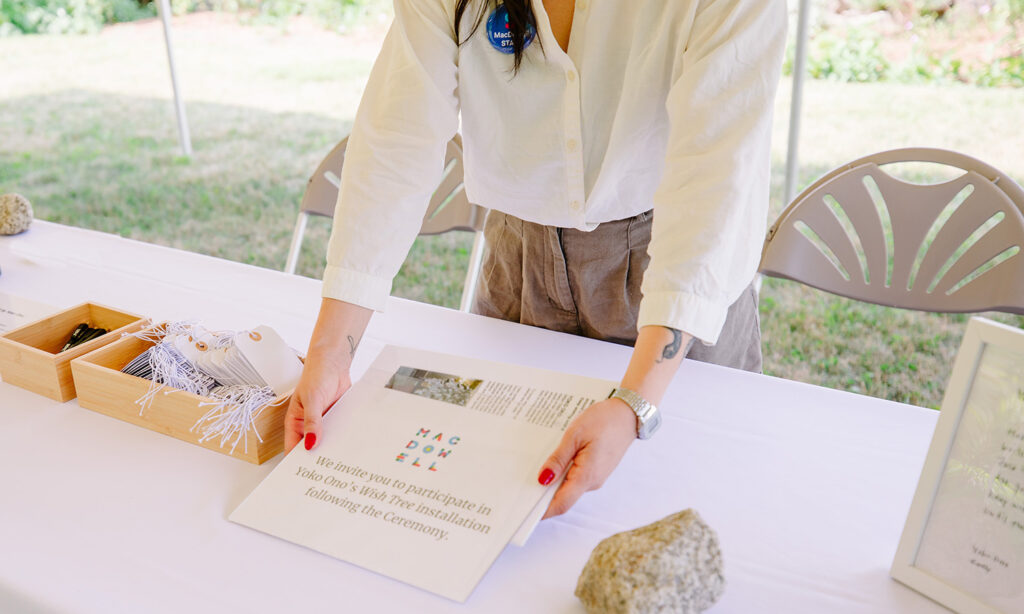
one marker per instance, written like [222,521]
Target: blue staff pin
[499,33]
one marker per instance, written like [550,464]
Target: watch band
[648,418]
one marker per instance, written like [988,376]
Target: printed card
[434,456]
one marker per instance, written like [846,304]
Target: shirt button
[571,75]
[575,205]
[581,5]
[572,144]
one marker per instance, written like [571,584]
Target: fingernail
[546,476]
[310,440]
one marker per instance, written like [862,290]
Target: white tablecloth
[808,488]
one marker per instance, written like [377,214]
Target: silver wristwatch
[648,418]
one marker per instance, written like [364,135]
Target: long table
[807,487]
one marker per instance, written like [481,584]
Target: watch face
[647,428]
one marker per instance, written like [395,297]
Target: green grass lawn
[87,133]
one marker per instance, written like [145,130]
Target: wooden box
[31,356]
[104,389]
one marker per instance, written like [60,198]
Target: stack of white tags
[168,363]
[242,372]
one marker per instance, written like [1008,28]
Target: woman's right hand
[325,376]
[323,382]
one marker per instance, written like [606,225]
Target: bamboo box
[103,388]
[31,356]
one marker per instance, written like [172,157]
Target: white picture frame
[955,547]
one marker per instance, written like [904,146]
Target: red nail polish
[546,476]
[310,440]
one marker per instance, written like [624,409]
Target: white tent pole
[179,104]
[796,101]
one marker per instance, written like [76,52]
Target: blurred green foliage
[1008,71]
[66,16]
[850,56]
[980,42]
[335,14]
[88,16]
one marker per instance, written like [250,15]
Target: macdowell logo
[499,31]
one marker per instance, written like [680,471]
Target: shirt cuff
[684,312]
[357,288]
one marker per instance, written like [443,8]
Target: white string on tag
[233,413]
[168,366]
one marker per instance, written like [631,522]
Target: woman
[596,134]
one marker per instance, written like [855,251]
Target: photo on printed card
[432,385]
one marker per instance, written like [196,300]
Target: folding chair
[861,233]
[448,209]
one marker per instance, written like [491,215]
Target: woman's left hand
[590,450]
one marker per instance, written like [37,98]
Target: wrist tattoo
[352,344]
[672,348]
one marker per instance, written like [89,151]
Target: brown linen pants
[588,283]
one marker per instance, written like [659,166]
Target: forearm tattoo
[352,344]
[672,348]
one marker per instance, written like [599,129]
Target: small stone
[15,214]
[673,565]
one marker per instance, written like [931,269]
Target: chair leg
[476,258]
[296,246]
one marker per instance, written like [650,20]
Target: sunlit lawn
[87,133]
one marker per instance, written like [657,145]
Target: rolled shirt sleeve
[395,154]
[710,209]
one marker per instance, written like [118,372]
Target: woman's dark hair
[520,20]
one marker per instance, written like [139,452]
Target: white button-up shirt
[662,104]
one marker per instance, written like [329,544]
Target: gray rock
[673,565]
[15,214]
